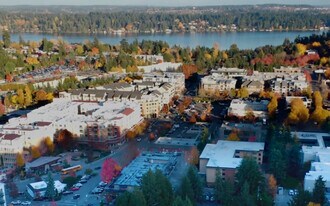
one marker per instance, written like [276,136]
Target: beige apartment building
[226,156]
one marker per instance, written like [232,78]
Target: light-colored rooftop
[42,161]
[132,174]
[222,154]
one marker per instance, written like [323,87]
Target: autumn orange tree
[299,113]
[272,185]
[233,136]
[194,156]
[64,139]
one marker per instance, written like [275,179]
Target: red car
[74,188]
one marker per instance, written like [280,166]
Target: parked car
[74,188]
[295,192]
[97,191]
[83,181]
[138,139]
[291,192]
[77,185]
[76,196]
[102,184]
[97,168]
[67,192]
[86,177]
[26,203]
[16,202]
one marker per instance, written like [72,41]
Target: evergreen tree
[182,202]
[301,199]
[50,190]
[131,199]
[319,191]
[245,197]
[165,192]
[249,172]
[186,190]
[224,191]
[196,182]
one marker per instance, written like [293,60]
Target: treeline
[100,22]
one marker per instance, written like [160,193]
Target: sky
[159,2]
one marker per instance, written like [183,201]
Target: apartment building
[230,72]
[176,79]
[164,67]
[240,108]
[218,82]
[154,59]
[226,156]
[253,86]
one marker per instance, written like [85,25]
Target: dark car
[97,168]
[76,196]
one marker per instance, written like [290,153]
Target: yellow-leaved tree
[301,48]
[272,106]
[319,115]
[20,160]
[233,136]
[299,113]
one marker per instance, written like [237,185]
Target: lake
[244,40]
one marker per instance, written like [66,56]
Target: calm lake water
[244,40]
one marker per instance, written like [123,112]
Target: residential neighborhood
[147,123]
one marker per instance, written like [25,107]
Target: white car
[26,203]
[17,202]
[78,185]
[102,184]
[291,192]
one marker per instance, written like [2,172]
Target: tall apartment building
[218,82]
[225,156]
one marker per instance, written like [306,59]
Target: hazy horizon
[161,2]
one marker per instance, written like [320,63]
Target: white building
[315,150]
[226,156]
[31,129]
[218,82]
[164,67]
[240,108]
[307,102]
[175,78]
[230,72]
[38,189]
[154,59]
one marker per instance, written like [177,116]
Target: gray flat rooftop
[132,174]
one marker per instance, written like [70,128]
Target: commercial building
[131,175]
[240,108]
[226,156]
[115,119]
[38,189]
[218,82]
[42,164]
